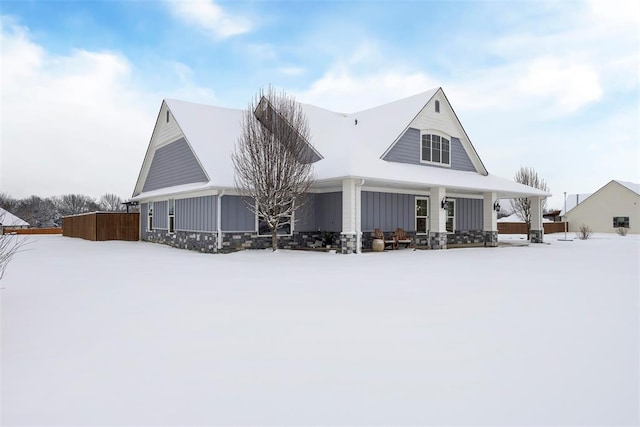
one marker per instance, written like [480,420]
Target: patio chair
[378,234]
[402,238]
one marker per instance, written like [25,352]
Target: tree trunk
[274,239]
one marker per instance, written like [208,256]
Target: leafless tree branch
[273,159]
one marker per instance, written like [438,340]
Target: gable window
[620,222]
[172,216]
[437,106]
[150,216]
[451,216]
[422,215]
[435,149]
[167,116]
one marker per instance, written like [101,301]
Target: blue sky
[552,85]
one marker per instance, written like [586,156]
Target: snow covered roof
[574,200]
[7,219]
[630,185]
[349,149]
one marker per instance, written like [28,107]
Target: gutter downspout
[359,217]
[219,220]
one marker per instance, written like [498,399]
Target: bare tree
[10,244]
[38,212]
[273,159]
[110,203]
[7,202]
[73,204]
[522,205]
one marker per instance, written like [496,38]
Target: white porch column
[219,220]
[537,230]
[438,219]
[490,219]
[350,216]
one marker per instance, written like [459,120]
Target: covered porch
[434,217]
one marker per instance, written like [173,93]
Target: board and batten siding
[143,221]
[196,214]
[407,150]
[160,212]
[329,211]
[173,164]
[235,214]
[469,215]
[387,211]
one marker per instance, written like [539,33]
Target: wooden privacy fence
[103,226]
[521,227]
[52,230]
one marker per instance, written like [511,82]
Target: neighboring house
[615,205]
[9,220]
[406,164]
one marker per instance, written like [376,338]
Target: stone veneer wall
[488,238]
[348,243]
[192,240]
[437,240]
[231,242]
[537,236]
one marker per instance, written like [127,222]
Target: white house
[9,220]
[407,164]
[615,205]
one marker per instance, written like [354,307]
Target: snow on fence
[103,226]
[521,227]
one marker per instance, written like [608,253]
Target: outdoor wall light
[496,206]
[444,203]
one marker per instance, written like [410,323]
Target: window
[150,216]
[167,116]
[172,216]
[451,216]
[283,230]
[435,149]
[620,221]
[437,106]
[422,215]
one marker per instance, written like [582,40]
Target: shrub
[584,232]
[622,231]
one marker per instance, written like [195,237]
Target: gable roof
[348,149]
[630,185]
[7,219]
[575,200]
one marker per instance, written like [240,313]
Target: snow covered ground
[132,333]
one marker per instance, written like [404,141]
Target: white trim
[415,216]
[441,135]
[169,215]
[446,219]
[150,216]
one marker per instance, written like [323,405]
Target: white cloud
[571,86]
[209,17]
[73,123]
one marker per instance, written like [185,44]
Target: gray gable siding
[196,214]
[387,211]
[173,164]
[236,216]
[469,215]
[160,215]
[459,159]
[407,150]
